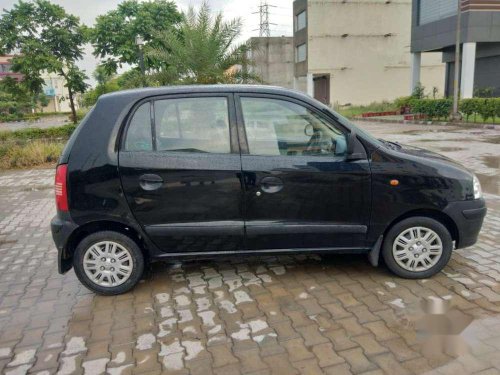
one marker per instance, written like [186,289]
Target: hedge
[432,108]
[37,133]
[487,108]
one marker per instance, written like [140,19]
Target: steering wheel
[318,146]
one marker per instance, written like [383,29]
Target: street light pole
[140,43]
[456,114]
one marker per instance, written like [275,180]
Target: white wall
[365,66]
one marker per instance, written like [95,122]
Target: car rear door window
[279,127]
[193,125]
[139,137]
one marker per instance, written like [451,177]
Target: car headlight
[478,193]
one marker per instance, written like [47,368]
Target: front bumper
[468,217]
[61,232]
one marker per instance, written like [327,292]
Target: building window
[301,53]
[301,20]
[432,10]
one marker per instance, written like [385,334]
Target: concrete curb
[423,122]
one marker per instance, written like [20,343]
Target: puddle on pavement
[37,188]
[445,140]
[450,149]
[423,131]
[492,161]
[489,184]
[495,140]
[7,242]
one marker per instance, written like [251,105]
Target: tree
[106,83]
[45,38]
[75,83]
[15,100]
[115,32]
[202,51]
[102,75]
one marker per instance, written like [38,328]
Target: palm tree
[203,50]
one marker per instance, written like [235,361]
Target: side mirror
[351,141]
[355,150]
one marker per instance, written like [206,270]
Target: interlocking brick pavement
[266,315]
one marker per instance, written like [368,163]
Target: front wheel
[417,248]
[108,263]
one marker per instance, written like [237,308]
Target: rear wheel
[108,263]
[418,247]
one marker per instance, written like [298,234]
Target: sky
[88,10]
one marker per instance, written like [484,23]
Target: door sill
[323,250]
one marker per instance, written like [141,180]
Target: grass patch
[30,154]
[33,147]
[357,110]
[478,119]
[38,133]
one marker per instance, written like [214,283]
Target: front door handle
[150,182]
[271,185]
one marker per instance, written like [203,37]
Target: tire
[423,253]
[119,250]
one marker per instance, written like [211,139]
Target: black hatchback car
[169,173]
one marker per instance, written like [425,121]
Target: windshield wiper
[393,145]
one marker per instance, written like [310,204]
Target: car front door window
[278,127]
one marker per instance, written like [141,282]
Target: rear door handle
[150,182]
[271,185]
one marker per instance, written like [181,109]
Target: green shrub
[497,106]
[403,101]
[432,108]
[91,96]
[419,92]
[469,107]
[81,113]
[487,109]
[485,92]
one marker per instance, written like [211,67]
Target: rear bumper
[61,232]
[468,217]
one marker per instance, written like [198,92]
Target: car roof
[137,94]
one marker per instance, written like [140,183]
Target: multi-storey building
[357,51]
[273,59]
[434,29]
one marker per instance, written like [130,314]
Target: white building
[358,51]
[57,93]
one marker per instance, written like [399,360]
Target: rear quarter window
[139,136]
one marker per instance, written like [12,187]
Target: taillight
[61,187]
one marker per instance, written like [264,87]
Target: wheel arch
[99,226]
[437,215]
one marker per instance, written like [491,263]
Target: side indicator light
[394,182]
